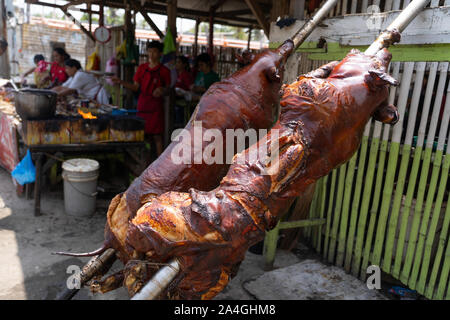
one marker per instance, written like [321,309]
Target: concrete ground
[28,270]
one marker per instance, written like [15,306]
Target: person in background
[81,83]
[3,46]
[183,83]
[184,78]
[58,70]
[205,76]
[41,74]
[169,61]
[152,79]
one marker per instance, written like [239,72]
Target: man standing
[152,80]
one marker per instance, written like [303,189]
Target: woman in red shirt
[184,82]
[57,70]
[184,77]
[152,79]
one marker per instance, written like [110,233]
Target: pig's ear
[387,113]
[379,78]
[273,74]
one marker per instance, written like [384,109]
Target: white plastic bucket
[80,186]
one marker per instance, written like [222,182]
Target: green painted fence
[389,205]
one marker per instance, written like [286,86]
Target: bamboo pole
[337,212]
[356,199]
[406,151]
[329,213]
[392,163]
[432,185]
[443,240]
[414,170]
[323,193]
[404,277]
[379,180]
[346,210]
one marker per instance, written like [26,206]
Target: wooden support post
[128,70]
[169,114]
[249,37]
[195,49]
[258,13]
[172,17]
[297,9]
[89,7]
[211,34]
[37,185]
[4,60]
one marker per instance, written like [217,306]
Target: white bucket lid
[80,165]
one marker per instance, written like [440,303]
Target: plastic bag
[169,43]
[93,61]
[25,172]
[112,67]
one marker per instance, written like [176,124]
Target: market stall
[78,126]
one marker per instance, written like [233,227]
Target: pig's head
[332,105]
[366,79]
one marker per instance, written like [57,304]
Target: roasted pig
[323,115]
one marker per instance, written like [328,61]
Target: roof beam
[152,24]
[258,13]
[78,23]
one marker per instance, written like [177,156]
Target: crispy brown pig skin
[245,100]
[320,127]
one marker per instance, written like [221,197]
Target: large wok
[35,104]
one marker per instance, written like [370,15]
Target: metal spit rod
[309,26]
[385,39]
[159,282]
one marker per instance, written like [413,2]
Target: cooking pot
[35,104]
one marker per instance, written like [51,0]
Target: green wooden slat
[385,203]
[270,247]
[418,262]
[446,265]
[392,164]
[374,208]
[312,210]
[406,152]
[316,229]
[405,212]
[345,210]
[432,232]
[329,213]
[396,208]
[363,215]
[337,212]
[355,203]
[404,276]
[301,223]
[322,210]
[414,170]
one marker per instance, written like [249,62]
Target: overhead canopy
[248,13]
